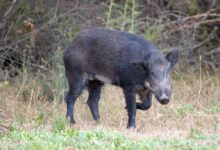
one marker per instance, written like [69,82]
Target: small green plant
[183,109]
[122,17]
[59,123]
[195,133]
[20,119]
[109,13]
[212,109]
[153,32]
[193,7]
[40,119]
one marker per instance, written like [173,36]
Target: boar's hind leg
[131,106]
[94,89]
[76,85]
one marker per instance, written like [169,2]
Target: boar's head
[158,74]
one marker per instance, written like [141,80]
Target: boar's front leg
[146,102]
[131,106]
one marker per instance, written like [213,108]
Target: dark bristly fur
[98,56]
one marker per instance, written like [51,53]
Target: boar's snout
[164,101]
[163,96]
[161,89]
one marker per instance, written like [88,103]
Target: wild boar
[98,56]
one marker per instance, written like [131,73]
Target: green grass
[99,139]
[183,109]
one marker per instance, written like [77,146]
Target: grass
[99,139]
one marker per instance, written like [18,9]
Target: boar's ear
[141,63]
[173,57]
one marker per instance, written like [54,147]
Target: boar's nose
[164,99]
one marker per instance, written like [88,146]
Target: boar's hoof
[71,125]
[142,106]
[97,122]
[130,126]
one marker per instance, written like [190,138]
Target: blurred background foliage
[33,33]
